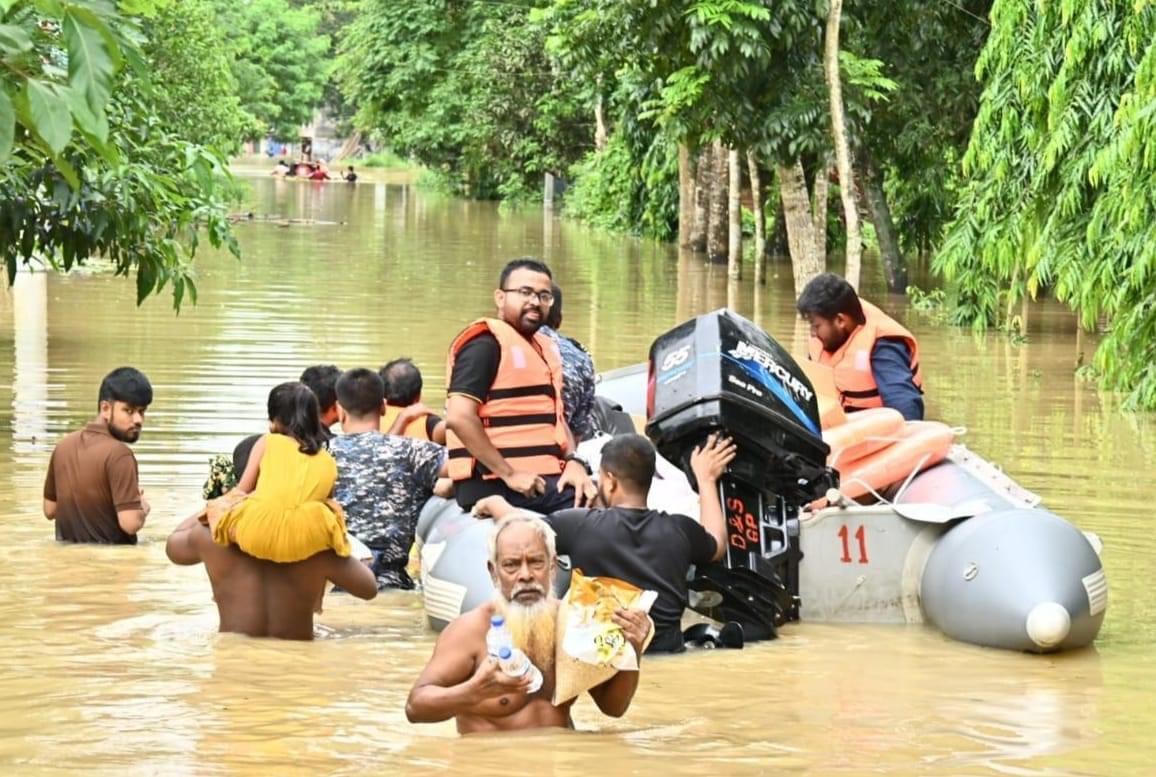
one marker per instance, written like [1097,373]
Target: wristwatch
[585,464]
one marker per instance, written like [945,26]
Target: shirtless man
[262,598]
[461,681]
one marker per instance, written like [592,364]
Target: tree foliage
[195,95]
[919,133]
[1060,178]
[464,88]
[280,61]
[89,167]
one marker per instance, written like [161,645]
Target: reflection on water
[111,659]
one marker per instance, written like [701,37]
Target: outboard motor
[720,372]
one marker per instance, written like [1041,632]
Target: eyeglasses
[545,297]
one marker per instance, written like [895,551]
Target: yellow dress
[289,516]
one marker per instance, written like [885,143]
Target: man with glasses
[505,428]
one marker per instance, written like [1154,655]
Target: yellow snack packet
[591,648]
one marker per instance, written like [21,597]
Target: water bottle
[498,636]
[515,663]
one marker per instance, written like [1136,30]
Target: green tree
[1059,180]
[89,169]
[909,151]
[195,93]
[465,89]
[280,61]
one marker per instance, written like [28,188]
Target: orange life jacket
[851,363]
[522,414]
[415,428]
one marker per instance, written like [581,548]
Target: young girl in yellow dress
[288,514]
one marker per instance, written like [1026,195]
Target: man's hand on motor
[709,461]
[575,475]
[635,624]
[490,682]
[525,483]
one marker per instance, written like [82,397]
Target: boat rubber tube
[862,434]
[1019,579]
[921,444]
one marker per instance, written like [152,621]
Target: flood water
[111,660]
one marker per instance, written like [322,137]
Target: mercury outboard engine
[720,372]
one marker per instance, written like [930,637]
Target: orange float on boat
[862,434]
[921,444]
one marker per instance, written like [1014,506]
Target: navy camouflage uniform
[577,384]
[382,483]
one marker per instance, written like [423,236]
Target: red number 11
[861,537]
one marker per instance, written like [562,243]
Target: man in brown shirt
[92,490]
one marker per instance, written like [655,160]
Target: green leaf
[48,113]
[7,125]
[49,7]
[146,279]
[94,124]
[67,171]
[90,67]
[13,39]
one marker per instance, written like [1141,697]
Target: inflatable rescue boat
[830,517]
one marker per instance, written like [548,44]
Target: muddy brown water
[111,662]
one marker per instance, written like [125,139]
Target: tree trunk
[735,215]
[600,133]
[760,218]
[819,208]
[349,147]
[894,267]
[842,148]
[716,231]
[778,244]
[685,196]
[806,261]
[703,170]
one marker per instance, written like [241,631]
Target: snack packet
[591,648]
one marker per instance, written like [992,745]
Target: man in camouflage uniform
[577,374]
[382,480]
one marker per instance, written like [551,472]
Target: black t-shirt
[646,548]
[476,367]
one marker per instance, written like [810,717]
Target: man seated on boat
[92,490]
[403,384]
[874,359]
[461,681]
[506,430]
[577,374]
[263,598]
[627,540]
[382,480]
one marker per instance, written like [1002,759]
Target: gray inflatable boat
[961,547]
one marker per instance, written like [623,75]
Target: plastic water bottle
[498,636]
[515,663]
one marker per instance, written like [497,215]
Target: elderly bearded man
[461,681]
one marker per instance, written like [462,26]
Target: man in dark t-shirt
[92,489]
[644,547]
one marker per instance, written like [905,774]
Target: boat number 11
[860,537]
